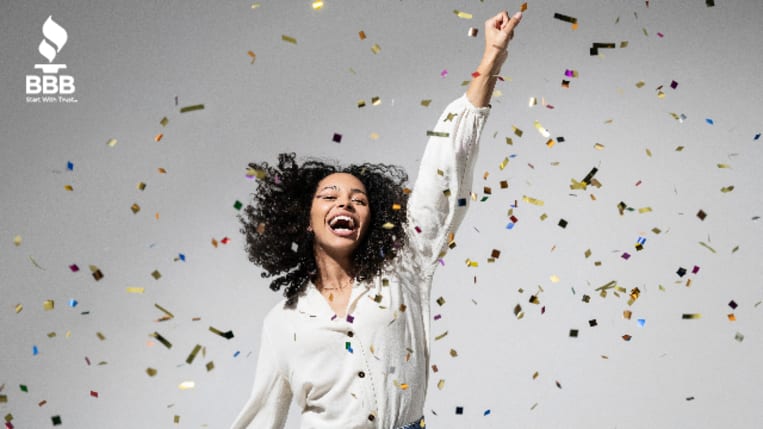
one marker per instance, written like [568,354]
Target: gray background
[131,61]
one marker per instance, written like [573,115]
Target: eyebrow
[336,188]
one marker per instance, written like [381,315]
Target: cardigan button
[350,334]
[361,374]
[371,417]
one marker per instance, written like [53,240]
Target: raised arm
[498,33]
[441,192]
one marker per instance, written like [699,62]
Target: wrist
[492,60]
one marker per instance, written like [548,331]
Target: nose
[346,204]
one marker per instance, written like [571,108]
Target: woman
[356,255]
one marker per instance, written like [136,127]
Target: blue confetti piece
[641,322]
[73,303]
[757,137]
[510,225]
[235,355]
[486,413]
[181,256]
[35,352]
[462,202]
[709,121]
[70,166]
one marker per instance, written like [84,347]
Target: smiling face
[339,215]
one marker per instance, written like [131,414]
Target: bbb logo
[51,84]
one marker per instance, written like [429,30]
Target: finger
[509,25]
[499,20]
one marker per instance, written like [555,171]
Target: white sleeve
[268,405]
[440,195]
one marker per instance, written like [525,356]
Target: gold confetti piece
[192,355]
[437,134]
[691,316]
[289,39]
[472,32]
[554,278]
[362,35]
[48,305]
[724,166]
[375,48]
[453,353]
[374,136]
[544,132]
[161,170]
[111,142]
[648,153]
[192,108]
[317,4]
[388,225]
[643,210]
[162,340]
[640,84]
[156,274]
[361,103]
[134,289]
[164,121]
[68,188]
[518,313]
[158,137]
[503,163]
[100,336]
[375,101]
[517,131]
[19,308]
[135,208]
[463,15]
[141,186]
[151,372]
[706,246]
[186,385]
[727,189]
[441,336]
[533,201]
[441,384]
[17,240]
[523,7]
[598,146]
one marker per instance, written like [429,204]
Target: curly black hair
[275,222]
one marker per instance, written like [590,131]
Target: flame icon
[56,34]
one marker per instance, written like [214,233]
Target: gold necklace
[349,283]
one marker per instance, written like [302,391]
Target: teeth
[350,222]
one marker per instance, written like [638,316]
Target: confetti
[17,240]
[227,335]
[565,18]
[317,4]
[162,340]
[111,142]
[462,15]
[289,39]
[192,108]
[186,385]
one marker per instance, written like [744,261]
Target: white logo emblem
[58,37]
[51,85]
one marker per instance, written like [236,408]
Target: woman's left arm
[498,33]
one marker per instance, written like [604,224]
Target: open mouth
[342,225]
